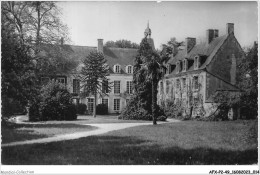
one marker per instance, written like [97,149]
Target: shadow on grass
[111,150]
[12,132]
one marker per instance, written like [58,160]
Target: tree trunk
[38,25]
[153,104]
[95,105]
[191,109]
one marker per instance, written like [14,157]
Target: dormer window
[129,69]
[179,66]
[168,67]
[185,64]
[117,68]
[196,62]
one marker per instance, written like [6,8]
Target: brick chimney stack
[189,44]
[215,33]
[100,45]
[230,28]
[210,35]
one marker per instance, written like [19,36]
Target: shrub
[81,108]
[102,109]
[173,110]
[54,103]
[12,107]
[71,112]
[136,110]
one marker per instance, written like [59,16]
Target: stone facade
[196,72]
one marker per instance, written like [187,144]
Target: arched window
[117,68]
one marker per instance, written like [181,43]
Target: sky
[114,20]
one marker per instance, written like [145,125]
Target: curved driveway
[102,128]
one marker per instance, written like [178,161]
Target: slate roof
[203,49]
[121,56]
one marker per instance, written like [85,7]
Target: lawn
[12,132]
[181,143]
[89,119]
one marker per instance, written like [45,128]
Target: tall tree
[142,105]
[36,21]
[18,77]
[92,76]
[170,49]
[39,24]
[248,81]
[152,69]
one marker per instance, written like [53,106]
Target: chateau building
[195,72]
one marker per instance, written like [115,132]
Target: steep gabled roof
[203,49]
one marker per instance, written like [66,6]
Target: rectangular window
[61,80]
[196,82]
[76,86]
[129,69]
[45,80]
[117,69]
[105,87]
[184,82]
[90,105]
[116,104]
[167,87]
[161,87]
[105,101]
[129,87]
[178,84]
[117,87]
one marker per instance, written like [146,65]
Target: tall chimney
[190,43]
[215,33]
[210,35]
[100,45]
[230,28]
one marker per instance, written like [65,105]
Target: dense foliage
[54,103]
[102,109]
[248,80]
[246,99]
[122,44]
[18,76]
[142,105]
[93,76]
[27,27]
[81,108]
[173,110]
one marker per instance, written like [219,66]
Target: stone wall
[188,94]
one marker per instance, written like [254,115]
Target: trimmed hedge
[102,109]
[81,108]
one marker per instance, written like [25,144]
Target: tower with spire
[147,34]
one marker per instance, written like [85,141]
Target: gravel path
[102,128]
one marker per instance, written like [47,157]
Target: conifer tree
[93,76]
[142,105]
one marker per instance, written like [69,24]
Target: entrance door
[90,105]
